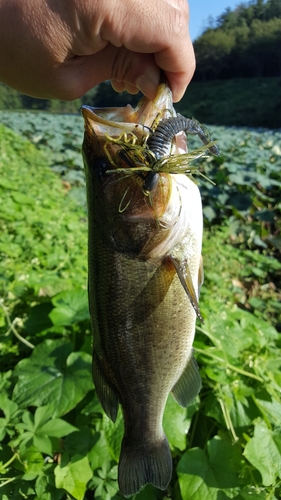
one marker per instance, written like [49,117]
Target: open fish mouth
[149,139]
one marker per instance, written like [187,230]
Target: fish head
[136,207]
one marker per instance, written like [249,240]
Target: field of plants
[55,441]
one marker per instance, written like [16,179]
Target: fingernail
[148,83]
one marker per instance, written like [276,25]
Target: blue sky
[200,10]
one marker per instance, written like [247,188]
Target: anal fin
[106,394]
[188,385]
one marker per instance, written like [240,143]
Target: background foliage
[241,43]
[55,441]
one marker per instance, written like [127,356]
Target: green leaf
[264,452]
[41,415]
[57,427]
[209,213]
[176,423]
[70,306]
[38,318]
[53,375]
[204,475]
[43,444]
[81,441]
[114,434]
[105,482]
[74,476]
[45,488]
[12,416]
[33,461]
[99,452]
[254,493]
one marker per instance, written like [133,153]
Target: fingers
[63,51]
[128,71]
[159,28]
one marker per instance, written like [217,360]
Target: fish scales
[145,272]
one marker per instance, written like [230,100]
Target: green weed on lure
[145,274]
[154,155]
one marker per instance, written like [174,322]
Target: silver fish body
[145,272]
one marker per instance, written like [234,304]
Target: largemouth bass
[145,273]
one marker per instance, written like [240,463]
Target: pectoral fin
[106,394]
[188,385]
[200,275]
[185,278]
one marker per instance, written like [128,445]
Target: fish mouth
[127,120]
[121,135]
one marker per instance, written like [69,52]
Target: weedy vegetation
[55,441]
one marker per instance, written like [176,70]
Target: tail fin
[143,463]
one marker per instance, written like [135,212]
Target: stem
[228,365]
[228,420]
[9,461]
[12,327]
[7,481]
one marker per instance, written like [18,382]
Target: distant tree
[212,52]
[272,9]
[245,43]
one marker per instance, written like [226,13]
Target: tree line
[243,43]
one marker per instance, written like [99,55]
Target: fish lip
[143,114]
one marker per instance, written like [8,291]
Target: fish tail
[144,463]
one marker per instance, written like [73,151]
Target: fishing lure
[153,155]
[160,142]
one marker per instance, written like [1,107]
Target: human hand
[62,48]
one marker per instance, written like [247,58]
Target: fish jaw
[115,120]
[143,320]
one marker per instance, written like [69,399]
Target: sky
[200,10]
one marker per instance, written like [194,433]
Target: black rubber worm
[160,140]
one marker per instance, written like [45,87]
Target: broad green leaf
[80,441]
[176,423]
[204,475]
[114,435]
[46,490]
[43,444]
[33,462]
[149,493]
[57,428]
[64,375]
[271,409]
[70,306]
[100,452]
[38,318]
[42,415]
[264,452]
[11,416]
[74,476]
